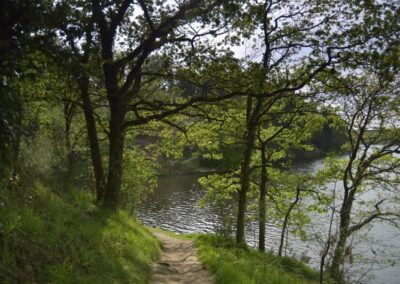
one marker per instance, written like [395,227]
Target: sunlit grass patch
[46,238]
[231,265]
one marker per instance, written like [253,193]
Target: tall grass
[48,238]
[233,266]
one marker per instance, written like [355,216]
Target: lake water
[173,206]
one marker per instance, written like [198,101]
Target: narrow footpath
[178,263]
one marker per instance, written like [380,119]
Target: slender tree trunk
[93,138]
[245,171]
[116,150]
[240,239]
[263,193]
[286,220]
[68,115]
[337,260]
[338,254]
[328,242]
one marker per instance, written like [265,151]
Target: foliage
[102,93]
[372,165]
[331,138]
[10,129]
[140,177]
[284,189]
[220,193]
[19,21]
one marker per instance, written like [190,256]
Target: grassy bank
[230,265]
[49,238]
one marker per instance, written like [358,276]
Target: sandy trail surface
[178,263]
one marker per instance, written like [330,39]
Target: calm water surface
[173,206]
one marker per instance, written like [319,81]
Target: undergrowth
[63,238]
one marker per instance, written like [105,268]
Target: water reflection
[174,206]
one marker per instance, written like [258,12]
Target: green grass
[233,266]
[46,238]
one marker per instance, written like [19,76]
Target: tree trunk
[240,239]
[263,192]
[286,220]
[337,260]
[116,150]
[68,116]
[93,139]
[70,155]
[329,240]
[245,171]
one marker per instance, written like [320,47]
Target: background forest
[99,98]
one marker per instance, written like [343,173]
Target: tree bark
[93,138]
[245,171]
[263,193]
[116,149]
[329,240]
[337,260]
[286,220]
[68,116]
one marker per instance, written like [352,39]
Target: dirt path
[178,263]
